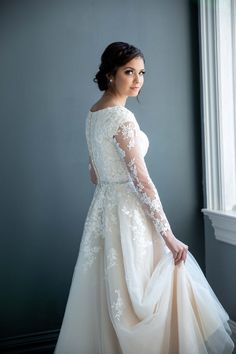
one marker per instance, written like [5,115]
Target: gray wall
[50,51]
[220,268]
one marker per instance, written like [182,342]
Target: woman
[136,289]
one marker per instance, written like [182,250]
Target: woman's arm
[93,176]
[127,143]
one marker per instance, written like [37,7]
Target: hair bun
[101,80]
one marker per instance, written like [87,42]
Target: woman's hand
[178,248]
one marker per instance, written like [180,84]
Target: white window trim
[218,93]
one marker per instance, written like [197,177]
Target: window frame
[218,75]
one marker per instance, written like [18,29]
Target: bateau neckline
[103,109]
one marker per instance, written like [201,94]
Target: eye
[142,72]
[127,72]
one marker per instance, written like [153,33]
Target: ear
[109,78]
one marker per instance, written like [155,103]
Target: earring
[110,80]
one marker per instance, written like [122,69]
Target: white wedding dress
[127,296]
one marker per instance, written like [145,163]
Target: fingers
[178,257]
[181,255]
[185,254]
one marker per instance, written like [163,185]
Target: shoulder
[117,117]
[122,111]
[120,115]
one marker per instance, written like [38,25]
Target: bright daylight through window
[218,69]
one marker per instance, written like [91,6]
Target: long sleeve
[126,141]
[93,176]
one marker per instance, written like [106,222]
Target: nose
[136,78]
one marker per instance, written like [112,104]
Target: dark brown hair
[115,55]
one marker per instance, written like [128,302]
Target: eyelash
[128,71]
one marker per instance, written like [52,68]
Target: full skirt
[128,297]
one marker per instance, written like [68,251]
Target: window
[218,71]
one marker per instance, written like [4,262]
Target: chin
[133,94]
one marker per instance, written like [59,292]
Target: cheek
[126,81]
[123,81]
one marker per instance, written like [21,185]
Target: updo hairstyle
[115,55]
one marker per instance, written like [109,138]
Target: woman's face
[129,78]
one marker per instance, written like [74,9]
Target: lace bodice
[117,148]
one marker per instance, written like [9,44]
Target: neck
[114,98]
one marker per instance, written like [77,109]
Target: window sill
[224,223]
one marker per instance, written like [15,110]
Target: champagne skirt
[128,297]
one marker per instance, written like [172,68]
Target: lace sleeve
[127,144]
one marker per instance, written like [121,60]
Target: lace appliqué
[112,257]
[161,223]
[121,152]
[126,142]
[117,306]
[128,134]
[93,232]
[139,235]
[90,255]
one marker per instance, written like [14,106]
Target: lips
[136,87]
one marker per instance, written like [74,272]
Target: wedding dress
[127,296]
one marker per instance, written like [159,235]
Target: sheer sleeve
[126,141]
[93,176]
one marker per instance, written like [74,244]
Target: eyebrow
[130,67]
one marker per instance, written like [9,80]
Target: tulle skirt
[128,297]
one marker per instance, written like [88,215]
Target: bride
[136,288]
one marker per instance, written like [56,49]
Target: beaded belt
[100,183]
